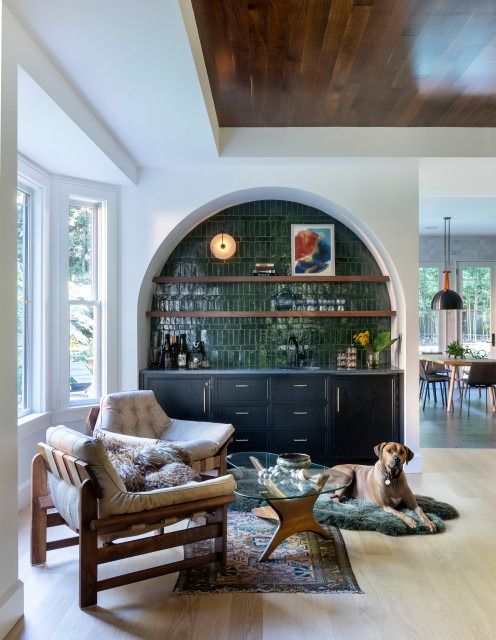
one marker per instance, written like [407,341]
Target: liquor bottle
[174,352]
[182,356]
[165,357]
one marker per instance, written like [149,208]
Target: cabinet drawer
[299,441]
[242,415]
[250,441]
[301,415]
[247,389]
[293,388]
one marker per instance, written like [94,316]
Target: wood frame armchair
[138,414]
[69,479]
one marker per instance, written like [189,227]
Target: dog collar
[388,476]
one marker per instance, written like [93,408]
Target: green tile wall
[262,230]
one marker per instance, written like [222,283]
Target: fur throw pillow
[144,467]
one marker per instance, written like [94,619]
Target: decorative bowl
[290,461]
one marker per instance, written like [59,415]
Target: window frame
[442,324]
[37,181]
[94,302]
[83,191]
[28,260]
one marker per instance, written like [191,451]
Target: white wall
[376,198]
[11,588]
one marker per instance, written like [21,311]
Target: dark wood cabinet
[333,416]
[365,412]
[180,396]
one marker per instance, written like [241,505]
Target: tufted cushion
[133,413]
[200,439]
[115,498]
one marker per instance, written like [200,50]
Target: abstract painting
[312,250]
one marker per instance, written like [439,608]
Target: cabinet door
[183,397]
[365,413]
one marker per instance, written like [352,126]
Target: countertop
[290,371]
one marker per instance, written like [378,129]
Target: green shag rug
[360,515]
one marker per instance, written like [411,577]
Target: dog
[384,483]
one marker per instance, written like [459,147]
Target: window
[429,285]
[24,300]
[476,288]
[84,301]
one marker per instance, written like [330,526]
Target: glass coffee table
[290,484]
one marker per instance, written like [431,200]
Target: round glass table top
[270,476]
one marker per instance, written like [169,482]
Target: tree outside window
[83,300]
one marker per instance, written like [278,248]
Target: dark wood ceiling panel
[350,62]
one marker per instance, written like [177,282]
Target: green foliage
[382,341]
[456,350]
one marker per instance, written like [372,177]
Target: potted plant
[456,350]
[374,346]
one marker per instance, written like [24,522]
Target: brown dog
[384,483]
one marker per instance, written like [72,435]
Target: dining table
[455,364]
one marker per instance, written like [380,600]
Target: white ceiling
[132,63]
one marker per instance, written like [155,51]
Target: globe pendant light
[223,246]
[446,299]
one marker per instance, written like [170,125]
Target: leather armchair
[73,474]
[138,414]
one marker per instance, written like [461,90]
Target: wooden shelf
[267,279]
[271,314]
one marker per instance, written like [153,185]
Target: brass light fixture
[446,299]
[223,246]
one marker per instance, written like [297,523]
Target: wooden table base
[294,515]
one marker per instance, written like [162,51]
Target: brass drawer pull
[300,385]
[300,439]
[241,439]
[300,413]
[242,413]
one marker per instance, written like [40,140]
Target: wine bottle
[165,355]
[182,355]
[174,352]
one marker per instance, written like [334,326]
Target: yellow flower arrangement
[362,338]
[379,343]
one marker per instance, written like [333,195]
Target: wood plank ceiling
[295,63]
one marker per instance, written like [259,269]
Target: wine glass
[173,296]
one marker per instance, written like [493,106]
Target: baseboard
[11,607]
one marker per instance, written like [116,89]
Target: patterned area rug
[302,563]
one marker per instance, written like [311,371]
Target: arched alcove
[262,229]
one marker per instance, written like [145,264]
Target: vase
[373,359]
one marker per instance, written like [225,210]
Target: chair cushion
[201,439]
[133,413]
[116,500]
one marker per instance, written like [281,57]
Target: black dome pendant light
[446,299]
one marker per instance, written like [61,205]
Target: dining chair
[431,378]
[482,375]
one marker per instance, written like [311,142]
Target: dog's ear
[409,454]
[378,449]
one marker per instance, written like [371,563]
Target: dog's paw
[430,525]
[410,522]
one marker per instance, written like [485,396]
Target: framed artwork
[312,250]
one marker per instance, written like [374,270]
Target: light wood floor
[436,587]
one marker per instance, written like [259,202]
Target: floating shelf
[271,314]
[267,279]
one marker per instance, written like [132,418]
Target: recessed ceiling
[283,63]
[469,216]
